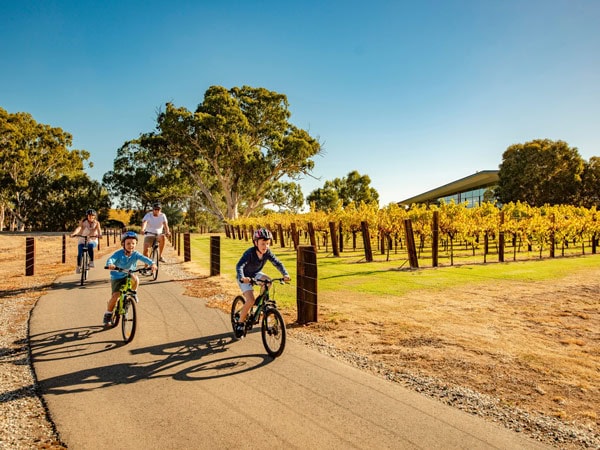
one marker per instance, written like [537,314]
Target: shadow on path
[176,360]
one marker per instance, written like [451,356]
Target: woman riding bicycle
[250,265]
[125,258]
[89,227]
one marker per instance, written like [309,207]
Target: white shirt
[155,224]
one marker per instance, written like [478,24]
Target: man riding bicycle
[155,225]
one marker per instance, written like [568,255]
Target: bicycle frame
[263,301]
[85,255]
[125,308]
[154,255]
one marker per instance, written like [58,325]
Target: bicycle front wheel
[84,267]
[154,257]
[236,307]
[129,320]
[272,331]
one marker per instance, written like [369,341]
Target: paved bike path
[183,383]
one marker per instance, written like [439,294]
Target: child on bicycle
[89,227]
[249,266]
[125,258]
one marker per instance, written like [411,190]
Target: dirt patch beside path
[526,354]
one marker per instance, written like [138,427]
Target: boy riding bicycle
[249,266]
[125,258]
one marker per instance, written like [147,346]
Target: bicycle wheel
[236,307]
[129,322]
[272,331]
[84,266]
[154,257]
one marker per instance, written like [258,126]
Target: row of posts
[30,248]
[306,270]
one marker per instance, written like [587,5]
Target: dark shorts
[149,240]
[115,284]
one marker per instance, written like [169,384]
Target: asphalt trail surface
[184,383]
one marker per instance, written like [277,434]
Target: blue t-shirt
[121,260]
[250,264]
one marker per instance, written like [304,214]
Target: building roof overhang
[480,179]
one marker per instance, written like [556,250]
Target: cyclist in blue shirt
[249,266]
[125,258]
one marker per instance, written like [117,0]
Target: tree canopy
[43,185]
[541,172]
[235,154]
[354,188]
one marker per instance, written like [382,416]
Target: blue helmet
[129,235]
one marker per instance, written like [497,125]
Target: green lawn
[350,272]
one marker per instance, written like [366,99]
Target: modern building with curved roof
[471,189]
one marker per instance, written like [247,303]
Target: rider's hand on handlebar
[287,278]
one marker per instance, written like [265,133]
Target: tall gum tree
[33,157]
[237,148]
[541,172]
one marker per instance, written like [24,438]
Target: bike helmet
[90,211]
[129,235]
[262,233]
[156,205]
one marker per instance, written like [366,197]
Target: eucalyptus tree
[540,172]
[354,188]
[233,153]
[33,157]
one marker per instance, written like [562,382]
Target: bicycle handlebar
[257,281]
[128,271]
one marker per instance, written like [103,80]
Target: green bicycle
[125,308]
[265,312]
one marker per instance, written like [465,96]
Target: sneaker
[239,329]
[162,260]
[78,269]
[91,265]
[107,319]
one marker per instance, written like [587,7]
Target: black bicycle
[265,312]
[125,308]
[154,256]
[85,258]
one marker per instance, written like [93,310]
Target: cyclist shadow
[68,343]
[70,285]
[176,360]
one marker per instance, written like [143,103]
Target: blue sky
[414,94]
